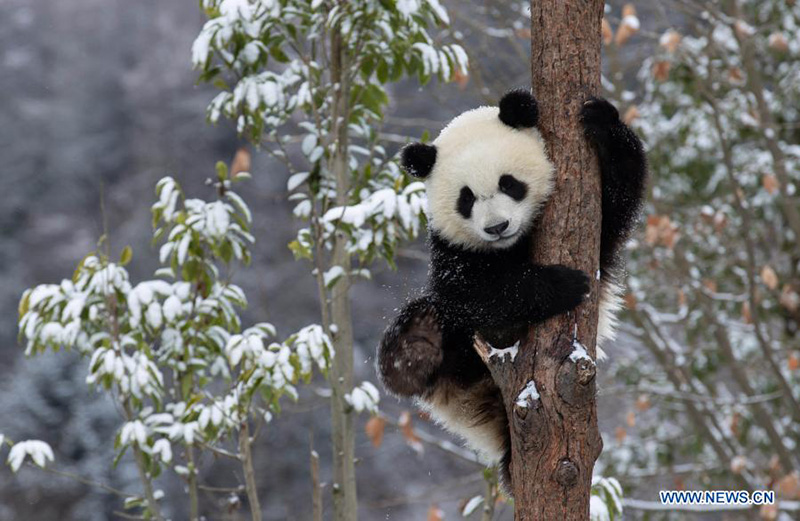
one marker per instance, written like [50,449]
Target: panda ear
[518,109]
[417,159]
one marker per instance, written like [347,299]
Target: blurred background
[701,389]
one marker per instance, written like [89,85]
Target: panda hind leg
[410,351]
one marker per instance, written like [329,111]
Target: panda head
[487,174]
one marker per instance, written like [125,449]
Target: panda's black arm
[520,294]
[623,167]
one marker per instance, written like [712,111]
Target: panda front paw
[569,288]
[597,112]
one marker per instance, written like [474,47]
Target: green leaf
[299,251]
[222,171]
[126,256]
[186,384]
[279,55]
[24,304]
[383,71]
[79,268]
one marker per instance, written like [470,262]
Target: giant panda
[487,176]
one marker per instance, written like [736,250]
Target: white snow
[631,21]
[330,277]
[472,505]
[312,345]
[296,180]
[528,395]
[598,510]
[511,351]
[579,352]
[365,397]
[38,451]
[133,433]
[172,308]
[218,218]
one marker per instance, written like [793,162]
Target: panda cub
[487,177]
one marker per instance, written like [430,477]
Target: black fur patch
[411,349]
[513,187]
[417,159]
[465,201]
[623,168]
[518,109]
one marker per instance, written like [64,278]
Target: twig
[82,479]
[220,452]
[223,490]
[249,472]
[316,489]
[490,497]
[682,395]
[444,445]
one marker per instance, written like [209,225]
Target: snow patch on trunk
[528,395]
[501,353]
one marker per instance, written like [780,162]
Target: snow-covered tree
[306,81]
[187,378]
[714,279]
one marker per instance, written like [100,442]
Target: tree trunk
[554,436]
[345,507]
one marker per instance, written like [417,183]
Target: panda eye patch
[465,201]
[512,187]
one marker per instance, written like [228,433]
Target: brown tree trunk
[554,437]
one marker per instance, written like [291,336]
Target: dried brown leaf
[777,42]
[374,429]
[608,33]
[789,486]
[793,362]
[241,162]
[743,29]
[630,115]
[770,183]
[735,421]
[747,314]
[670,40]
[628,26]
[435,513]
[461,79]
[789,298]
[769,277]
[628,10]
[407,428]
[661,69]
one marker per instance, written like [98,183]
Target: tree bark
[554,437]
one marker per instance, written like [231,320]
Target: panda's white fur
[478,163]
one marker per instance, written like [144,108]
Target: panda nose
[497,229]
